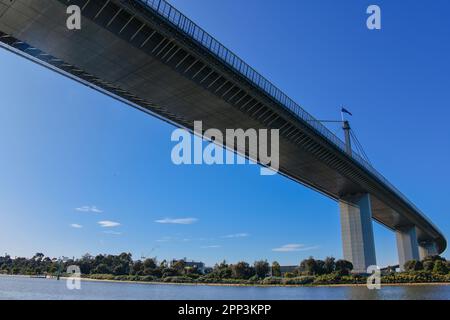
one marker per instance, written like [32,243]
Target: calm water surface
[44,289]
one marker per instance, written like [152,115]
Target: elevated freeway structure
[149,55]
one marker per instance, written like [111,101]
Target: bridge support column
[357,232]
[407,246]
[427,249]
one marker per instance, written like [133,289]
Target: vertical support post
[348,142]
[407,245]
[427,249]
[357,232]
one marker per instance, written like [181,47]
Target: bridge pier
[357,232]
[427,249]
[407,245]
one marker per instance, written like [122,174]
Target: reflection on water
[43,289]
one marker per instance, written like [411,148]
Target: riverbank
[224,284]
[238,284]
[329,280]
[26,288]
[265,285]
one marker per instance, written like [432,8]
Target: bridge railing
[203,38]
[188,27]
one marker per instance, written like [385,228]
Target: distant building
[390,269]
[200,266]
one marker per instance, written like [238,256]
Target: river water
[51,289]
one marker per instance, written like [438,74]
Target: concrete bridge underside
[135,55]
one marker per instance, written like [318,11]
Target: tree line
[123,264]
[308,271]
[435,264]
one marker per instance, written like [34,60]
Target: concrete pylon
[407,245]
[427,249]
[357,232]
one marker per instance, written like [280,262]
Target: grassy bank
[420,277]
[310,272]
[405,278]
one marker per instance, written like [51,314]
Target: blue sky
[72,157]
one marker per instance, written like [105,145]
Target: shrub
[101,276]
[289,275]
[178,279]
[298,280]
[332,278]
[413,277]
[208,279]
[428,265]
[148,278]
[169,272]
[440,267]
[354,279]
[413,265]
[272,280]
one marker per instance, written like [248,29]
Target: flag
[346,111]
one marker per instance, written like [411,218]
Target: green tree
[102,268]
[440,267]
[413,265]
[222,271]
[261,268]
[137,268]
[428,265]
[320,267]
[276,269]
[242,270]
[309,266]
[149,263]
[179,266]
[344,267]
[150,267]
[38,256]
[434,258]
[86,263]
[329,265]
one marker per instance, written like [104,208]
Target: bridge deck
[156,59]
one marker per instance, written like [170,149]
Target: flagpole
[346,127]
[348,143]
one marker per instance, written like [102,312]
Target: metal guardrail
[204,39]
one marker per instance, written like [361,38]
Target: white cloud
[236,235]
[76,226]
[177,221]
[294,247]
[211,247]
[164,239]
[93,209]
[108,224]
[113,232]
[167,239]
